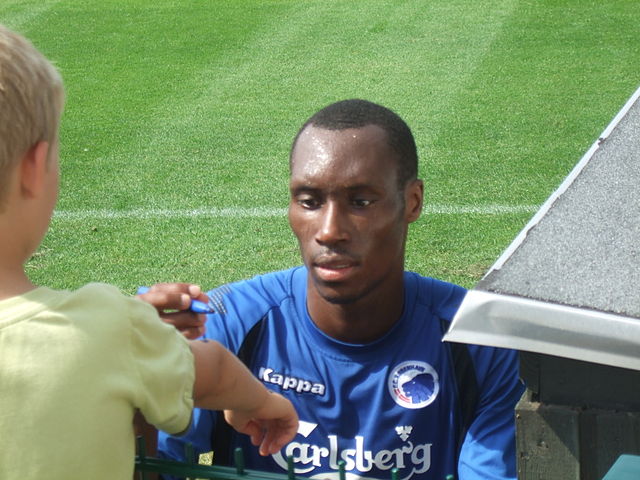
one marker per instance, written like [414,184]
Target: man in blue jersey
[351,338]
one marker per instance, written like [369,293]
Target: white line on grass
[26,17]
[266,212]
[478,209]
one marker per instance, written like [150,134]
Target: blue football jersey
[392,403]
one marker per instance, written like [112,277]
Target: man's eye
[361,202]
[308,203]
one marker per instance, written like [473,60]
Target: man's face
[347,212]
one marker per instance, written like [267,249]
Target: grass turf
[185,105]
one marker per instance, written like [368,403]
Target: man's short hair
[31,101]
[357,113]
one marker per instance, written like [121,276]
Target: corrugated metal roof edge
[508,321]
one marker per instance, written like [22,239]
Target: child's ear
[33,167]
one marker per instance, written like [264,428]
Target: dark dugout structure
[566,293]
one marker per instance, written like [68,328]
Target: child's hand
[271,426]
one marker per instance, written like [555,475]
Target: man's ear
[33,167]
[414,196]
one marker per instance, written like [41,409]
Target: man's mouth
[334,269]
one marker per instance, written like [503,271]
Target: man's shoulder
[276,280]
[271,284]
[435,283]
[257,295]
[442,298]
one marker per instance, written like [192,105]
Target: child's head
[31,102]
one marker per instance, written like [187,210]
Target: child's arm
[224,383]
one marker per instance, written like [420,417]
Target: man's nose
[333,226]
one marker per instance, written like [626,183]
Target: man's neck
[360,321]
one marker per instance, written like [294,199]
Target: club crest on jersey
[413,384]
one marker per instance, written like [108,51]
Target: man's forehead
[316,143]
[371,129]
[346,157]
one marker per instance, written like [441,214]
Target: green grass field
[180,115]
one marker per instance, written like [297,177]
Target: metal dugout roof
[569,284]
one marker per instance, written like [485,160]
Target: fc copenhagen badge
[413,384]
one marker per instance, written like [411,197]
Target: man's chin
[340,292]
[339,298]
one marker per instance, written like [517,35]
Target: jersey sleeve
[165,369]
[488,450]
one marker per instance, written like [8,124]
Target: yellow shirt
[73,368]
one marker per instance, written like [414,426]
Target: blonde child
[76,365]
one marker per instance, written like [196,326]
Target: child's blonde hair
[31,101]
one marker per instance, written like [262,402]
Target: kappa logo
[299,385]
[413,384]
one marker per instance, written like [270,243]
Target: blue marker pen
[196,305]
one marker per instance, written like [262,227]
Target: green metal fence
[192,470]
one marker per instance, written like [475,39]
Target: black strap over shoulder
[222,433]
[466,381]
